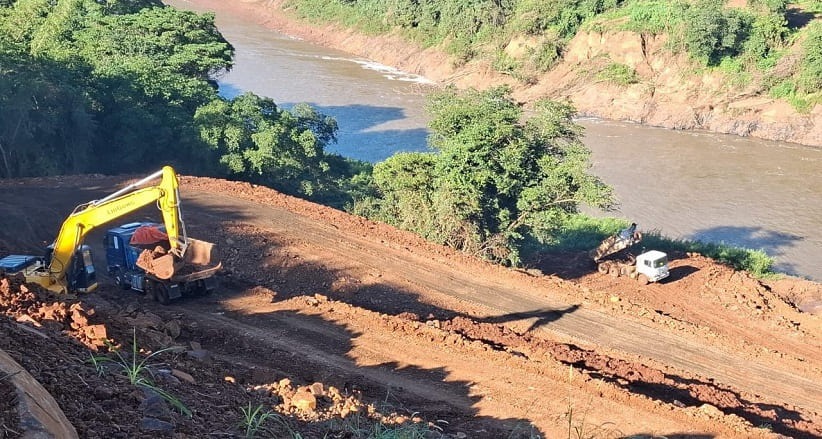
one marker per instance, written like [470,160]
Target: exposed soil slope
[668,93]
[315,295]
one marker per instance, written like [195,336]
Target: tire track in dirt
[432,370]
[509,296]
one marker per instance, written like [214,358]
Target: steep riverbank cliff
[667,90]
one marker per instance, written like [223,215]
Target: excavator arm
[86,217]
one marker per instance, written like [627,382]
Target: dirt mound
[33,304]
[56,340]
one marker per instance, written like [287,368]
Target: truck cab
[121,257]
[653,264]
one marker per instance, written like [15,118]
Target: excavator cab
[82,277]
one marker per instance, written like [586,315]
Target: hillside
[408,333]
[611,67]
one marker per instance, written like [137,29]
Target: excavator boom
[86,217]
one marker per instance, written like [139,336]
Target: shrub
[619,74]
[711,32]
[547,54]
[810,69]
[495,179]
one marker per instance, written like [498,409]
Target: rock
[711,410]
[460,435]
[55,311]
[284,383]
[615,299]
[165,374]
[25,318]
[811,307]
[154,406]
[78,315]
[96,332]
[317,389]
[172,328]
[183,376]
[158,338]
[230,379]
[199,354]
[147,320]
[304,400]
[196,346]
[157,426]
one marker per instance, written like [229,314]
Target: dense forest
[124,86]
[773,45]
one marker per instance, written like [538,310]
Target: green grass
[619,74]
[582,233]
[814,6]
[254,419]
[756,262]
[135,371]
[788,91]
[644,16]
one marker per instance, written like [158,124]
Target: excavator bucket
[199,262]
[159,265]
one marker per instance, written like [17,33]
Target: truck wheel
[614,271]
[602,268]
[642,279]
[161,293]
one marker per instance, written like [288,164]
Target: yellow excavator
[67,266]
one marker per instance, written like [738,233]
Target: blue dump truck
[121,260]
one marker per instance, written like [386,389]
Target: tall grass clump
[756,262]
[618,73]
[135,369]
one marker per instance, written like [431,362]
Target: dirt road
[509,297]
[317,295]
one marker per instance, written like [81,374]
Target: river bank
[669,94]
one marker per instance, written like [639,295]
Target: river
[712,187]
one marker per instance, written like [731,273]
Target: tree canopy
[493,180]
[127,85]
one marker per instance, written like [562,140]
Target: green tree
[493,180]
[256,141]
[711,31]
[46,126]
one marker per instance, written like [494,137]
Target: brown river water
[694,185]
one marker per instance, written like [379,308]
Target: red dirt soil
[314,295]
